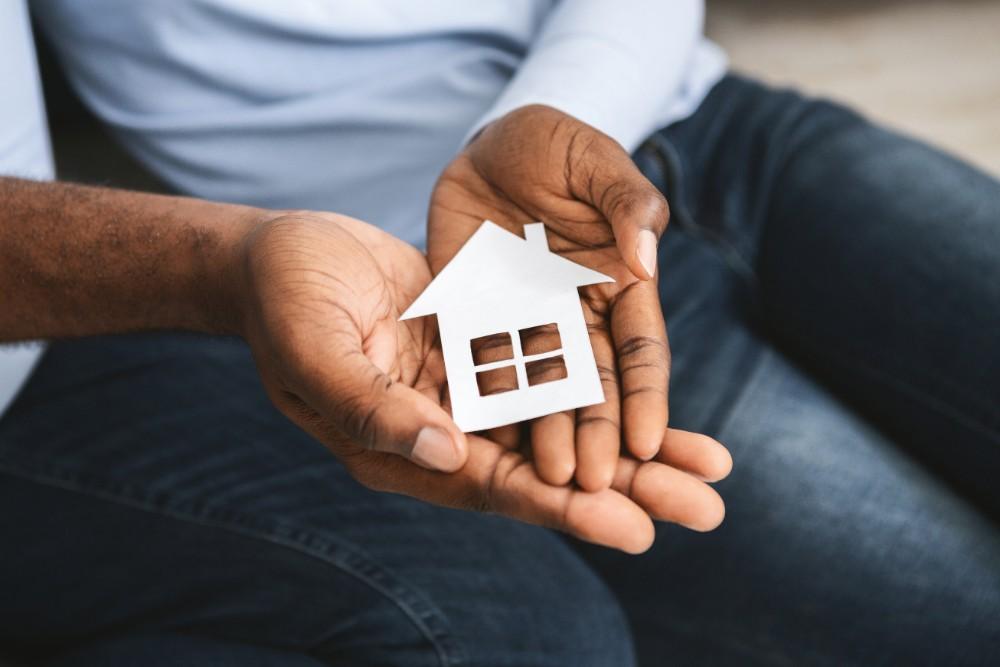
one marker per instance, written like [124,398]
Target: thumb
[605,177]
[383,415]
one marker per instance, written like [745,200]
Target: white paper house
[500,283]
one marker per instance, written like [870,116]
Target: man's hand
[321,299]
[317,296]
[323,295]
[539,164]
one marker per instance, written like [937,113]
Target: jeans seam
[425,616]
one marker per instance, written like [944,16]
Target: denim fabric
[831,292]
[168,497]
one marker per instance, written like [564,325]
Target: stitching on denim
[429,620]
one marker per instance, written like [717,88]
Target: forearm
[78,261]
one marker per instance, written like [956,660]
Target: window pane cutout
[492,348]
[496,381]
[540,339]
[491,382]
[545,370]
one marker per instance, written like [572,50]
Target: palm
[531,181]
[328,282]
[329,291]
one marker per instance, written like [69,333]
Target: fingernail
[648,455]
[434,449]
[646,251]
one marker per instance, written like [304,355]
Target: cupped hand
[671,487]
[323,294]
[539,164]
[320,297]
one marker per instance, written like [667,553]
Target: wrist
[216,293]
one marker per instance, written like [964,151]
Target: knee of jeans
[534,601]
[514,596]
[582,624]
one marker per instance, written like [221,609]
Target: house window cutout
[545,370]
[497,380]
[537,359]
[492,348]
[540,339]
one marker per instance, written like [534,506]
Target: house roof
[495,261]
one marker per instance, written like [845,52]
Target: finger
[495,479]
[697,454]
[352,393]
[598,427]
[640,338]
[603,174]
[498,480]
[552,447]
[552,444]
[607,517]
[668,494]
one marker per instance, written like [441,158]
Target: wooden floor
[930,67]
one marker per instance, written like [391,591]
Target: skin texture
[317,297]
[539,164]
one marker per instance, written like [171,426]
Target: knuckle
[644,349]
[659,209]
[644,390]
[619,200]
[630,203]
[607,374]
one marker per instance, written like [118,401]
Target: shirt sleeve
[613,65]
[24,139]
[24,151]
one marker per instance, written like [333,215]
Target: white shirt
[356,107]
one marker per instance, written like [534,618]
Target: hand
[323,294]
[320,299]
[539,164]
[317,297]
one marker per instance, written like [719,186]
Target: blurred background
[928,67]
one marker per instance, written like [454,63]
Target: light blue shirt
[24,152]
[357,106]
[353,107]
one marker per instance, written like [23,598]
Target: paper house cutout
[500,283]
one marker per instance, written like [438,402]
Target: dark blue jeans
[832,292]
